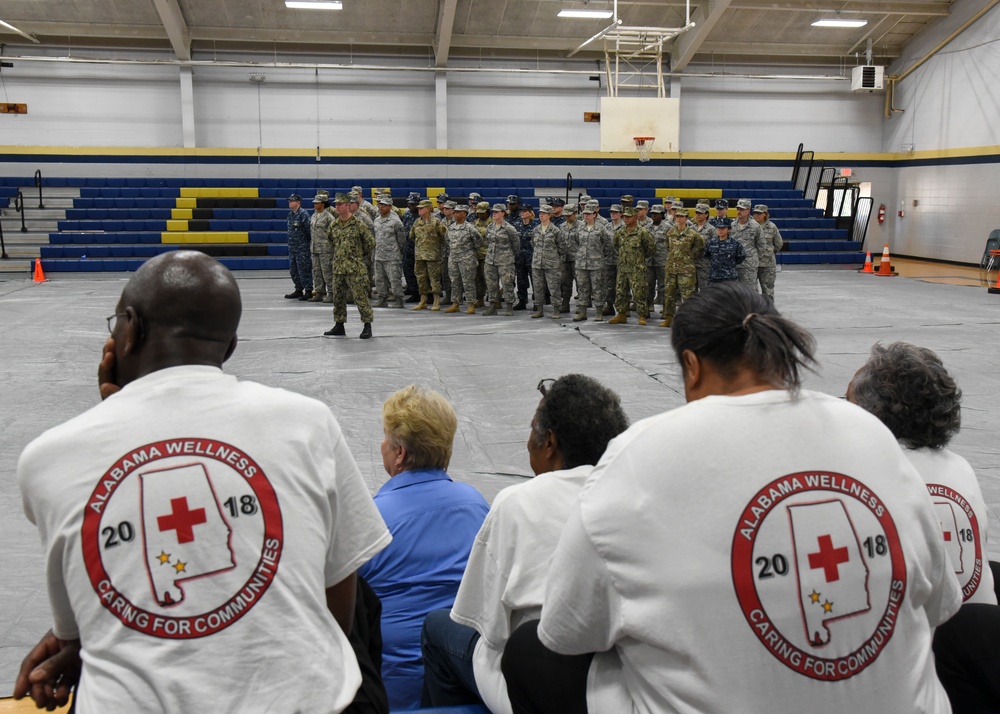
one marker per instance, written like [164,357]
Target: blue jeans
[447,650]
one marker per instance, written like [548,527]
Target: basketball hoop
[644,145]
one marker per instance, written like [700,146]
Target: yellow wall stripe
[689,192]
[188,192]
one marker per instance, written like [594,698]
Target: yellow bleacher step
[177,225]
[206,237]
[220,192]
[182,213]
[432,193]
[689,192]
[187,202]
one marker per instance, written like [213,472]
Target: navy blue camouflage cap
[556,201]
[442,197]
[294,197]
[513,199]
[413,199]
[722,203]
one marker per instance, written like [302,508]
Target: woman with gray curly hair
[504,581]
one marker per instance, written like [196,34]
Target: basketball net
[644,145]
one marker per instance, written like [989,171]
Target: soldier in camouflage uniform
[411,216]
[703,225]
[389,242]
[525,227]
[642,208]
[558,206]
[481,223]
[321,249]
[503,245]
[355,201]
[771,244]
[614,226]
[363,204]
[448,218]
[684,244]
[634,246]
[428,235]
[352,241]
[299,259]
[656,265]
[570,228]
[464,241]
[593,249]
[724,254]
[549,245]
[747,232]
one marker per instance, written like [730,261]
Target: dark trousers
[447,647]
[967,658]
[540,681]
[523,273]
[408,272]
[366,641]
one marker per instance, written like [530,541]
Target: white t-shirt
[754,553]
[191,525]
[959,503]
[504,580]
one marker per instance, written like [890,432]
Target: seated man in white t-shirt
[505,577]
[201,533]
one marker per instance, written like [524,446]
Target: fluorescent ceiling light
[304,5]
[589,14]
[22,33]
[840,23]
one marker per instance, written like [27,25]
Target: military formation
[449,252]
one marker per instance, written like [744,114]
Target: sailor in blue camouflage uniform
[657,264]
[558,206]
[503,245]
[409,218]
[747,232]
[703,224]
[549,245]
[721,212]
[570,228]
[771,244]
[389,242]
[524,224]
[299,259]
[352,241]
[724,254]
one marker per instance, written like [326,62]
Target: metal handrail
[38,185]
[3,248]
[569,186]
[862,215]
[19,207]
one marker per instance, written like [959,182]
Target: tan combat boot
[452,308]
[642,319]
[471,309]
[422,305]
[619,319]
[581,314]
[437,303]
[668,320]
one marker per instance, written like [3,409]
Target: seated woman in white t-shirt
[909,389]
[763,548]
[505,576]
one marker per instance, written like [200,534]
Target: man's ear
[133,333]
[230,349]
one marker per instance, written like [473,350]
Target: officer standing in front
[299,260]
[352,242]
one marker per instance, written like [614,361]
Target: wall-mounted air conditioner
[868,78]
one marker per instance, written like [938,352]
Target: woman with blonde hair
[433,521]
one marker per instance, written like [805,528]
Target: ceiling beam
[177,29]
[783,49]
[445,27]
[933,8]
[687,45]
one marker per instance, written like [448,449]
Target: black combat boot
[337,330]
[366,332]
[294,295]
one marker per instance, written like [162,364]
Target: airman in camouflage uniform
[524,224]
[703,225]
[464,241]
[428,235]
[656,265]
[299,259]
[634,246]
[549,245]
[352,241]
[747,232]
[503,245]
[771,244]
[725,254]
[481,223]
[593,249]
[321,249]
[684,244]
[390,240]
[363,204]
[642,208]
[571,227]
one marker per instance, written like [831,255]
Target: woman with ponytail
[764,548]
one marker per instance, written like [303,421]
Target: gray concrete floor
[52,334]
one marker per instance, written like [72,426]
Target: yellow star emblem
[164,558]
[180,566]
[827,606]
[814,596]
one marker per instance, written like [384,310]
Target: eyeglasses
[543,386]
[111,329]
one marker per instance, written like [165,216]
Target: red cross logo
[947,536]
[828,558]
[183,520]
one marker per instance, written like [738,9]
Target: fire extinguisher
[881,213]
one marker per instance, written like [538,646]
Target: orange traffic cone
[885,268]
[39,273]
[996,289]
[868,264]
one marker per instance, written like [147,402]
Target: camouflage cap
[526,208]
[475,197]
[556,201]
[669,199]
[354,197]
[442,197]
[343,198]
[461,208]
[513,199]
[545,208]
[320,197]
[413,199]
[629,211]
[483,207]
[658,208]
[426,203]
[642,204]
[571,208]
[627,198]
[294,197]
[702,208]
[677,205]
[616,208]
[684,212]
[499,207]
[594,203]
[722,203]
[449,204]
[725,224]
[760,208]
[357,189]
[743,204]
[584,198]
[385,201]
